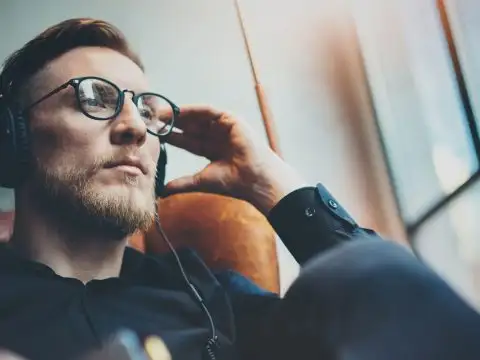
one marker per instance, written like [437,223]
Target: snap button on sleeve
[309,212]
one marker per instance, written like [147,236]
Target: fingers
[181,185]
[194,118]
[183,141]
[199,111]
[212,145]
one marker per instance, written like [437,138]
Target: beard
[72,198]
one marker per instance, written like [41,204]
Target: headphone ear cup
[24,154]
[161,171]
[14,147]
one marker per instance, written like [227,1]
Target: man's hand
[241,165]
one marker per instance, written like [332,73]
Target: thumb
[189,183]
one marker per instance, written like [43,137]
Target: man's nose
[128,127]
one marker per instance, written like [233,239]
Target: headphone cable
[212,342]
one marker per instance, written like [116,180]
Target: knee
[355,283]
[359,270]
[377,292]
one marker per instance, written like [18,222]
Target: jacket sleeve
[310,221]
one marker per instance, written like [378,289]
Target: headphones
[15,151]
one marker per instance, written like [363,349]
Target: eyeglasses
[100,99]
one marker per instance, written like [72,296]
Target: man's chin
[121,211]
[113,211]
[132,197]
[96,204]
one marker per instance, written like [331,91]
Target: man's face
[75,155]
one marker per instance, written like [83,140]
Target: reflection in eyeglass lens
[98,98]
[156,112]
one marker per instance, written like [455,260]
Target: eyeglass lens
[100,100]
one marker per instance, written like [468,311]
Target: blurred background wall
[363,92]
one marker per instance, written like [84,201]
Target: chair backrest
[227,233]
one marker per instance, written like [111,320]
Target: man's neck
[70,254]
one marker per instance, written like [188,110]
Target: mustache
[109,160]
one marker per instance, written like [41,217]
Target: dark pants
[367,301]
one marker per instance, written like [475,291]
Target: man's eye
[146,113]
[91,102]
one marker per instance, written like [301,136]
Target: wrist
[275,185]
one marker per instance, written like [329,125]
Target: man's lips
[130,164]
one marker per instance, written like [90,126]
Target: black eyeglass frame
[75,83]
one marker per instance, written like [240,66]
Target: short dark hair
[21,67]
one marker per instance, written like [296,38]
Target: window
[424,70]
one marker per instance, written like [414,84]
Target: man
[84,176]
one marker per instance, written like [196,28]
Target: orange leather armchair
[227,233]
